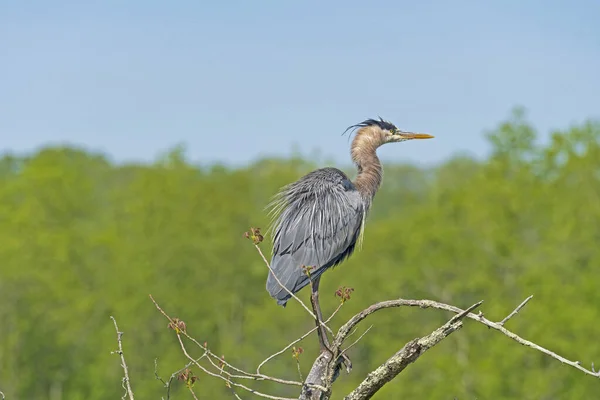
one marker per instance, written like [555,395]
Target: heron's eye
[393,131]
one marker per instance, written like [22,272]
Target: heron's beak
[410,135]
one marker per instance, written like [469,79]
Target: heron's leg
[314,300]
[321,332]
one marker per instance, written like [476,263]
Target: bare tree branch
[227,380]
[324,370]
[481,319]
[345,329]
[407,355]
[126,382]
[180,330]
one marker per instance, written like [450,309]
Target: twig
[352,333]
[247,375]
[335,311]
[462,314]
[158,378]
[167,384]
[299,370]
[224,378]
[192,392]
[352,322]
[524,342]
[281,284]
[518,339]
[210,355]
[288,291]
[126,382]
[2,394]
[515,311]
[357,340]
[289,346]
[235,394]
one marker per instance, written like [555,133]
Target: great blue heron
[320,218]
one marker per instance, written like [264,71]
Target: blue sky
[238,80]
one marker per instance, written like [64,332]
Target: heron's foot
[347,363]
[342,360]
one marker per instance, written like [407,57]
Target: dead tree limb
[407,355]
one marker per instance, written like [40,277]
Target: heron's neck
[370,171]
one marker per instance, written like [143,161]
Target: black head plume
[373,122]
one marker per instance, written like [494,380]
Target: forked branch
[406,356]
[323,371]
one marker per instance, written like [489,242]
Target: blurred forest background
[83,238]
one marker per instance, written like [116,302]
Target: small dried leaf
[254,235]
[177,325]
[296,352]
[344,293]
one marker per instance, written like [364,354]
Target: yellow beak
[410,135]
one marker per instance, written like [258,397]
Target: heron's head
[384,132]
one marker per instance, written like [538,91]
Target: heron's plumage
[318,223]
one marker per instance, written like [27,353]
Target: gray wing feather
[319,223]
